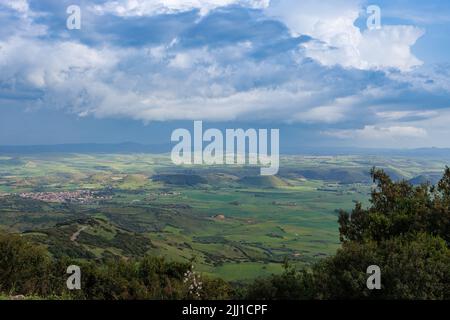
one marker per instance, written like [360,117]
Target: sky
[136,70]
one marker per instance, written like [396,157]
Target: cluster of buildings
[78,196]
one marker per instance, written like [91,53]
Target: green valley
[229,221]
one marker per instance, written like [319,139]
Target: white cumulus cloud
[339,41]
[155,7]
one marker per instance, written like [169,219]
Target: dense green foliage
[411,268]
[28,269]
[23,267]
[399,208]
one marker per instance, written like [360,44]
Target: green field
[229,221]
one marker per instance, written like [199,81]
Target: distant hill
[133,181]
[263,182]
[345,175]
[340,175]
[180,179]
[343,151]
[426,178]
[131,147]
[127,147]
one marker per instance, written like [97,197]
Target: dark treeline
[27,269]
[405,231]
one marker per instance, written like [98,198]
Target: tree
[412,267]
[398,208]
[290,285]
[23,266]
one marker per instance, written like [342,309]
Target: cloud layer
[224,60]
[158,7]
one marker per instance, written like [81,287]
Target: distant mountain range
[130,147]
[418,152]
[127,147]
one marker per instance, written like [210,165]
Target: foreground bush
[23,266]
[26,269]
[411,268]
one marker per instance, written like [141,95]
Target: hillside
[180,179]
[90,238]
[425,178]
[263,182]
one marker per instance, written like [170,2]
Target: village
[78,196]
